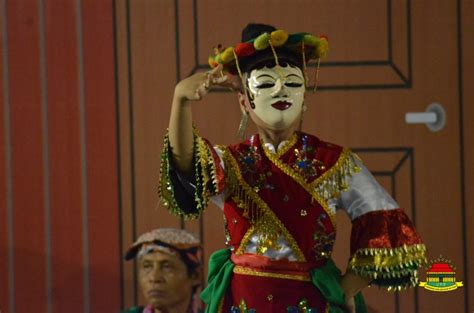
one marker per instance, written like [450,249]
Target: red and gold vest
[284,194]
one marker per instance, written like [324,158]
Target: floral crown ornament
[301,46]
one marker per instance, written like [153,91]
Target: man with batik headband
[279,189]
[169,265]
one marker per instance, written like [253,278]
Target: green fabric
[135,309]
[326,279]
[218,279]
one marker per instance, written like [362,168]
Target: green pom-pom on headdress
[262,42]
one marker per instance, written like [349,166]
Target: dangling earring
[250,98]
[301,119]
[316,75]
[243,125]
[305,69]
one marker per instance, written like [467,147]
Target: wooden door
[387,58]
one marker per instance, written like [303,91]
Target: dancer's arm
[191,89]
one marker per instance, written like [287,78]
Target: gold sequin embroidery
[264,222]
[252,272]
[300,180]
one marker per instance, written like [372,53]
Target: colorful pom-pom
[227,55]
[244,49]
[261,42]
[313,47]
[212,62]
[311,40]
[278,37]
[218,59]
[323,47]
[295,39]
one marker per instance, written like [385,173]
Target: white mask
[278,95]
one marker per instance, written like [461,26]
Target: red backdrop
[59,220]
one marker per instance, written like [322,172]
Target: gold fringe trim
[245,241]
[203,161]
[331,183]
[252,272]
[208,166]
[327,186]
[202,181]
[264,222]
[165,190]
[388,263]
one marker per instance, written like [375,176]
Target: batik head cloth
[168,240]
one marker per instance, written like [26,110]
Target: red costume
[279,207]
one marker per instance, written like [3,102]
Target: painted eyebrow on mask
[270,76]
[293,75]
[265,75]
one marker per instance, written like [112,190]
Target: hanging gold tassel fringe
[264,222]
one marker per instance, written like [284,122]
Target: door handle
[434,117]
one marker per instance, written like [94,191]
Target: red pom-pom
[244,49]
[324,37]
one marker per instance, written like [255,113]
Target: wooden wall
[59,222]
[85,92]
[466,130]
[387,58]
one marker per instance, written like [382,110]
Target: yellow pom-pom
[323,48]
[261,42]
[227,55]
[212,62]
[278,37]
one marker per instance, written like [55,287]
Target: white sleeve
[364,194]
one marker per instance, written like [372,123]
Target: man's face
[164,280]
[278,95]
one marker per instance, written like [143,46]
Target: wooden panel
[391,168]
[126,190]
[101,138]
[4,290]
[382,26]
[152,66]
[467,32]
[26,128]
[365,108]
[147,113]
[439,152]
[60,141]
[65,156]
